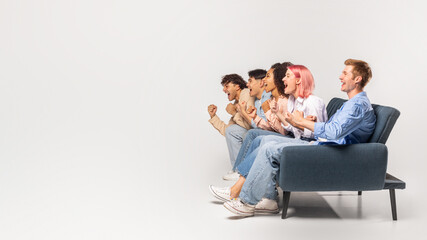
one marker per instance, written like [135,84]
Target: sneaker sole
[237,212]
[267,211]
[229,179]
[217,196]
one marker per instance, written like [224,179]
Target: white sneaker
[240,208]
[222,193]
[231,176]
[267,206]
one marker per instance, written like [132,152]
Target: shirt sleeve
[219,125]
[253,124]
[342,123]
[261,123]
[315,107]
[250,101]
[274,121]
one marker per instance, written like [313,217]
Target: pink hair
[306,86]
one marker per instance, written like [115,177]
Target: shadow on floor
[312,205]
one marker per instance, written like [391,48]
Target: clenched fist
[251,112]
[266,106]
[212,110]
[231,109]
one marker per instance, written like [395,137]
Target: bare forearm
[304,123]
[282,118]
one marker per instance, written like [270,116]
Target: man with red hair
[353,123]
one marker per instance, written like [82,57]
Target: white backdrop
[103,103]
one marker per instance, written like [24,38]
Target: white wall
[89,88]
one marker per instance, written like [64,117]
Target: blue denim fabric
[261,180]
[250,136]
[245,166]
[234,135]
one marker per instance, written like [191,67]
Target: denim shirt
[353,123]
[258,102]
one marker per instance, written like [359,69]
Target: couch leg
[286,196]
[393,204]
[359,193]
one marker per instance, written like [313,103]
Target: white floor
[117,195]
[104,132]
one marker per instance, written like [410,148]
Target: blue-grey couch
[355,167]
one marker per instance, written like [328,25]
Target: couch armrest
[354,167]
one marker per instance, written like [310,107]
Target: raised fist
[241,106]
[231,109]
[212,110]
[266,106]
[251,111]
[274,107]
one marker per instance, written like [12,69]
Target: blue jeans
[245,166]
[261,180]
[234,135]
[250,136]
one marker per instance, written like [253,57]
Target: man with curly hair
[236,89]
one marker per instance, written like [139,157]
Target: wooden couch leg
[286,196]
[393,204]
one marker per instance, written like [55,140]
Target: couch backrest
[386,118]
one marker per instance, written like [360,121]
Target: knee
[253,133]
[230,130]
[270,149]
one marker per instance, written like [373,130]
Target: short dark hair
[257,74]
[235,79]
[279,73]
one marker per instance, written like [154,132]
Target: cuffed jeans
[261,180]
[234,135]
[249,138]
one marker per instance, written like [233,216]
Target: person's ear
[358,79]
[298,81]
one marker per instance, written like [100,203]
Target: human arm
[231,109]
[297,119]
[248,101]
[277,108]
[241,108]
[312,109]
[346,120]
[216,122]
[212,110]
[260,122]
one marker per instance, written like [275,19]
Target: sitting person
[353,123]
[234,134]
[235,88]
[272,84]
[299,85]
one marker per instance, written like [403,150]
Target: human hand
[241,106]
[251,112]
[311,118]
[266,105]
[274,107]
[231,109]
[294,118]
[212,110]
